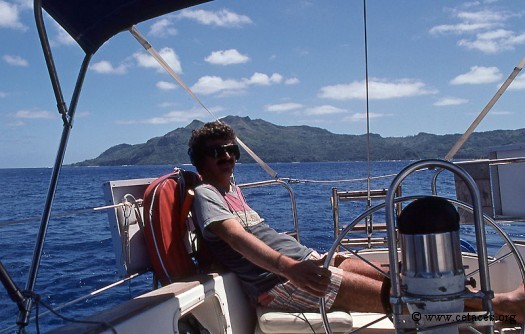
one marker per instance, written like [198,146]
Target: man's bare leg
[360,267]
[505,304]
[360,289]
[362,285]
[511,303]
[359,293]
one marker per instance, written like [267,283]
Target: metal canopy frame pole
[67,118]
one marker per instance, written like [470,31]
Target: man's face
[219,160]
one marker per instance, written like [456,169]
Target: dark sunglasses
[220,150]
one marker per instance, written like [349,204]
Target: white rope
[261,163]
[174,75]
[485,111]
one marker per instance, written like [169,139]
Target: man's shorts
[288,297]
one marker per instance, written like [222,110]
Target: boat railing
[123,200]
[294,232]
[127,236]
[500,183]
[368,227]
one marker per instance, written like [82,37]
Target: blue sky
[433,66]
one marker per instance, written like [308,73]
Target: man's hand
[308,275]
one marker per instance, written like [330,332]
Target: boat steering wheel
[339,244]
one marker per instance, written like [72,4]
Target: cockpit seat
[272,322]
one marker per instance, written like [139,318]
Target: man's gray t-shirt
[211,206]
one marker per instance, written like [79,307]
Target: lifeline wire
[79,299]
[38,300]
[62,214]
[107,207]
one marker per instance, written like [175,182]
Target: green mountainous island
[274,143]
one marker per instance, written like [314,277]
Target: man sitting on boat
[276,270]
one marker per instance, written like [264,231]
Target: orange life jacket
[167,204]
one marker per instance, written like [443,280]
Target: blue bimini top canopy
[92,22]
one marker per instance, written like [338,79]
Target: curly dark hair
[200,136]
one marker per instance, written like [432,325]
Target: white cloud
[9,16]
[105,67]
[25,4]
[460,28]
[282,107]
[472,21]
[324,110]
[379,89]
[227,57]
[34,114]
[62,37]
[175,116]
[494,41]
[162,28]
[165,85]
[167,104]
[313,111]
[291,81]
[495,34]
[221,18]
[358,117]
[518,83]
[484,15]
[484,30]
[82,114]
[212,85]
[15,60]
[169,56]
[264,80]
[450,101]
[208,85]
[3,94]
[478,75]
[501,113]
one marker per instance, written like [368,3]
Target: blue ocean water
[78,257]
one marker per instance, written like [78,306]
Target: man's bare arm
[308,275]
